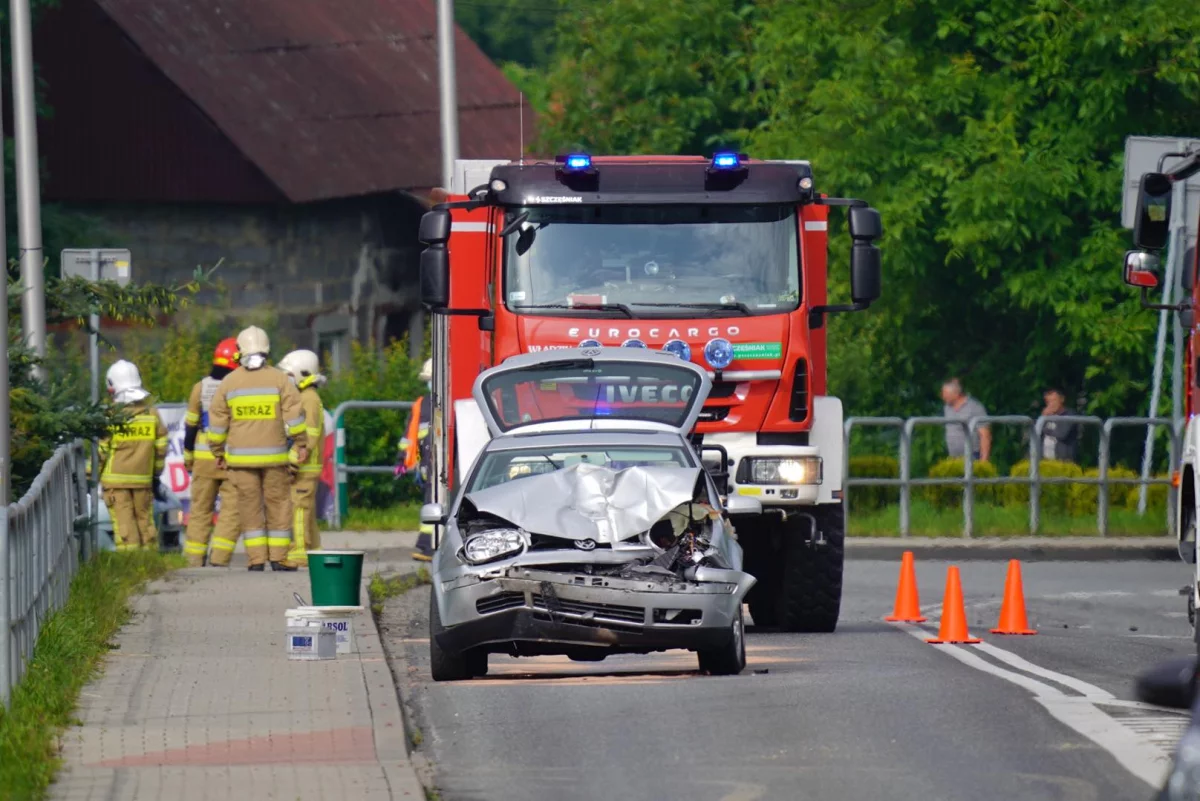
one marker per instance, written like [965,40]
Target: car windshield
[500,467]
[652,260]
[583,390]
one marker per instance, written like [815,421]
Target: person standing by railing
[133,455]
[1059,439]
[961,406]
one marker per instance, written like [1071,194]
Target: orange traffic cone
[954,613]
[1012,611]
[908,607]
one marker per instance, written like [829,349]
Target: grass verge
[402,517]
[1001,521]
[69,650]
[381,588]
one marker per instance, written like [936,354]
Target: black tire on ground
[730,658]
[758,537]
[810,594]
[477,662]
[443,665]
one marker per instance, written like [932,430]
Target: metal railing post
[968,475]
[906,478]
[1035,476]
[1102,487]
[341,469]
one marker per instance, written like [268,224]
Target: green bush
[866,499]
[1054,497]
[948,496]
[1083,499]
[1156,498]
[372,435]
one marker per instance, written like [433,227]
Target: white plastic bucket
[338,619]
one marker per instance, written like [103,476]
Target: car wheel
[730,658]
[810,593]
[477,661]
[444,665]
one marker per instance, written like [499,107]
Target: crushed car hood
[587,501]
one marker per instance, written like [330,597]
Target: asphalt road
[870,712]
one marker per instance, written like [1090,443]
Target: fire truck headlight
[800,470]
[679,348]
[718,353]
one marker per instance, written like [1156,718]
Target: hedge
[949,496]
[1054,497]
[866,499]
[1085,498]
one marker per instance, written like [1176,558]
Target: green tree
[513,31]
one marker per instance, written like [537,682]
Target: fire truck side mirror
[866,274]
[1141,269]
[435,227]
[1152,220]
[435,277]
[865,224]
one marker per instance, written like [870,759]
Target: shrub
[1084,499]
[1156,498]
[950,497]
[865,499]
[1054,497]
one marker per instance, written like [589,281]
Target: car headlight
[799,470]
[492,545]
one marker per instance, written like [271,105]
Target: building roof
[327,98]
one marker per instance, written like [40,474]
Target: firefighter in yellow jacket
[254,412]
[305,371]
[133,455]
[207,481]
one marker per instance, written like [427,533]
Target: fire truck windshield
[652,261]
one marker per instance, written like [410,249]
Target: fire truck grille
[799,408]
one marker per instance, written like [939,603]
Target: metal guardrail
[340,468]
[1035,480]
[40,551]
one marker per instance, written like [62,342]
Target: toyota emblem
[585,545]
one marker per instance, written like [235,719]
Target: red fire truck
[719,261]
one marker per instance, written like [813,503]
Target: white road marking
[1087,690]
[1143,759]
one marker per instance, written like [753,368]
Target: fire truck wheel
[810,594]
[443,665]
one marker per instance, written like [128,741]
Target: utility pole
[6,590]
[448,88]
[29,204]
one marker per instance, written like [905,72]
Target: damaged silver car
[587,525]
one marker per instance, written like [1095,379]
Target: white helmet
[125,382]
[301,365]
[427,370]
[252,341]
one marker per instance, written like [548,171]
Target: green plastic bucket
[335,577]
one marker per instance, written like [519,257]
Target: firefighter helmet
[125,382]
[427,370]
[253,341]
[300,364]
[226,354]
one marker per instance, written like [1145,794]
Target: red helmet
[226,354]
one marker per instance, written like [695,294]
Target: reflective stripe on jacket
[252,415]
[314,427]
[133,454]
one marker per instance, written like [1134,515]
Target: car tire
[477,662]
[730,658]
[810,594]
[444,665]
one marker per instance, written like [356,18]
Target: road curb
[387,720]
[1057,549]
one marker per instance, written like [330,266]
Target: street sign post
[95,265]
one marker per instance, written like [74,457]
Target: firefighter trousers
[132,514]
[264,511]
[204,491]
[305,535]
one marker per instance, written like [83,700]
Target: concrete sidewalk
[199,701]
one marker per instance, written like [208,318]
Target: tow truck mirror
[1152,220]
[866,273]
[865,224]
[435,277]
[435,227]
[1141,269]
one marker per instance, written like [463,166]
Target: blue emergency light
[726,161]
[577,162]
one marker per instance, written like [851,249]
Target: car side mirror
[433,514]
[1141,269]
[866,273]
[742,505]
[1170,684]
[1152,220]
